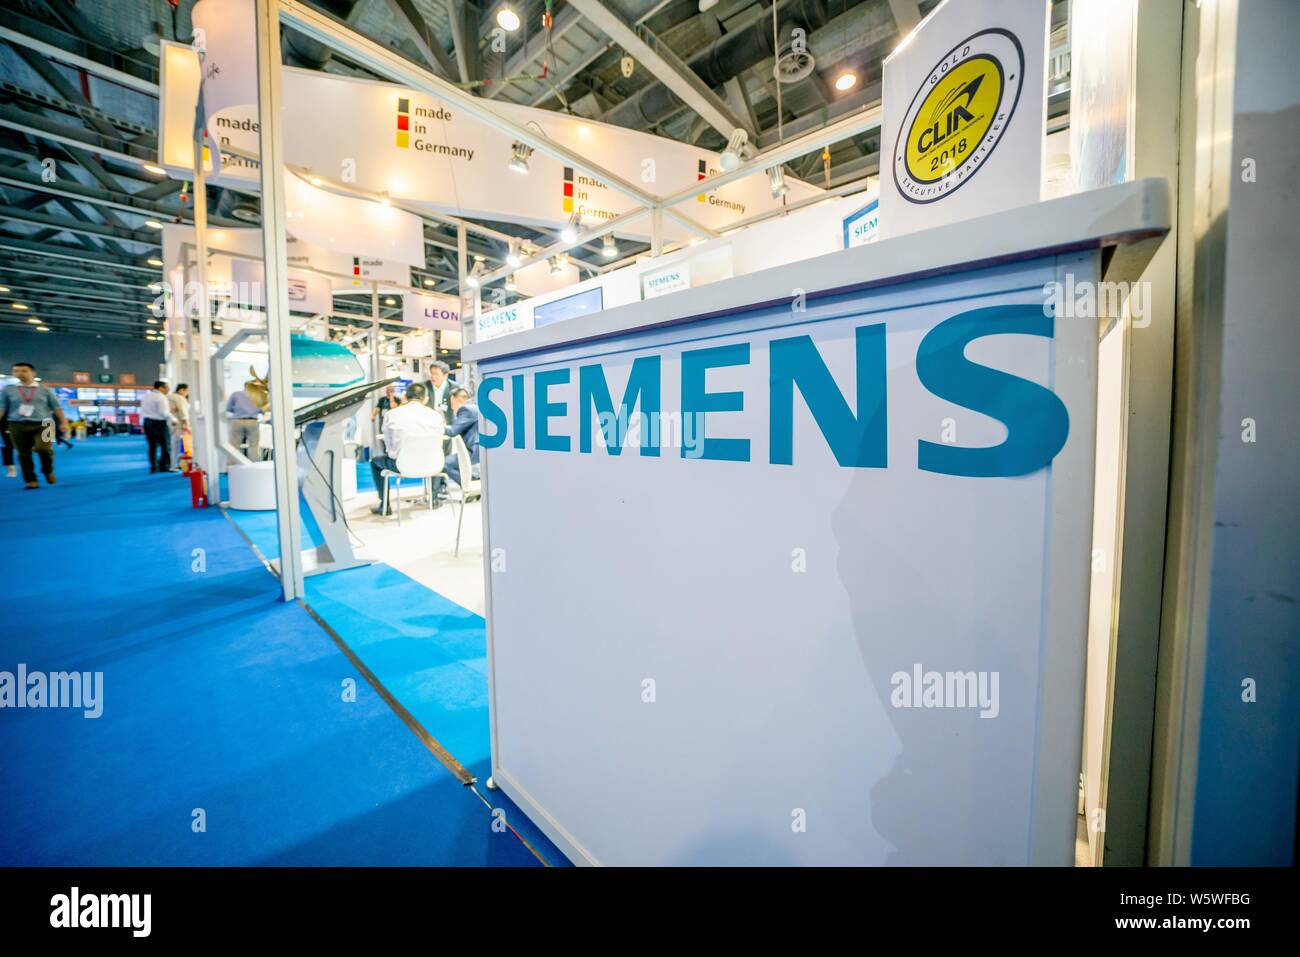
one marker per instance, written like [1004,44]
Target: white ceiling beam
[667,67]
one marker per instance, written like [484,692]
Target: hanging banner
[388,139]
[308,291]
[863,226]
[348,226]
[965,115]
[431,311]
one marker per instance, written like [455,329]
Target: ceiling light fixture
[609,246]
[519,154]
[154,261]
[431,283]
[570,231]
[153,224]
[21,306]
[557,266]
[776,182]
[472,280]
[847,80]
[507,19]
[42,328]
[156,170]
[390,301]
[513,259]
[736,151]
[510,283]
[34,321]
[4,289]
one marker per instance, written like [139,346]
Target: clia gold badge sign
[958,116]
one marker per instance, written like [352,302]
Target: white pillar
[283,433]
[205,442]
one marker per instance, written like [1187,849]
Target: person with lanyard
[30,411]
[439,387]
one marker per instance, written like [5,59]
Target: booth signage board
[308,291]
[126,378]
[80,377]
[964,114]
[502,322]
[431,311]
[674,279]
[863,226]
[844,583]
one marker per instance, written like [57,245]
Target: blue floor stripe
[217,698]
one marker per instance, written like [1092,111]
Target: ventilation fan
[794,66]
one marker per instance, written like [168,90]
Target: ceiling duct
[724,58]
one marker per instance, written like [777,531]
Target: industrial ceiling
[80,214]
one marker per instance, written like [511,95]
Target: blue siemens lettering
[642,389]
[859,442]
[697,400]
[1036,420]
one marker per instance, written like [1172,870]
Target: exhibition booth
[807,497]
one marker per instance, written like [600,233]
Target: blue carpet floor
[429,652]
[221,705]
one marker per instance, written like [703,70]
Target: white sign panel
[308,291]
[863,226]
[673,279]
[964,115]
[431,311]
[502,322]
[834,562]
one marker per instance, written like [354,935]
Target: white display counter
[834,610]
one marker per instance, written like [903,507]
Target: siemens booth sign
[793,568]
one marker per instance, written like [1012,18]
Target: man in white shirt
[156,417]
[412,417]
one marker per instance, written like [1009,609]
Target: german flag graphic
[356,270]
[568,189]
[702,173]
[403,123]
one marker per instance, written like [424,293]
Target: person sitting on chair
[412,417]
[464,423]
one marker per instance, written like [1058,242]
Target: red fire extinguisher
[198,488]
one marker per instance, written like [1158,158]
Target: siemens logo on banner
[1036,419]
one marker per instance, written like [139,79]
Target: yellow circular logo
[958,116]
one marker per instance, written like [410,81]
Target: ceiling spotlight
[156,170]
[519,153]
[557,266]
[570,231]
[776,182]
[736,151]
[472,279]
[153,224]
[846,81]
[513,259]
[431,283]
[384,200]
[507,19]
[154,261]
[609,246]
[510,283]
[21,306]
[42,328]
[151,322]
[34,321]
[4,288]
[315,180]
[390,301]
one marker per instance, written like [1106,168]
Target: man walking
[31,410]
[155,416]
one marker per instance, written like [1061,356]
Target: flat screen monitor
[570,307]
